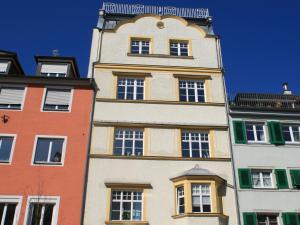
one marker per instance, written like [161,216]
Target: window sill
[199,215]
[46,164]
[160,56]
[129,222]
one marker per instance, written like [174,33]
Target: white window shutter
[11,95]
[58,97]
[48,68]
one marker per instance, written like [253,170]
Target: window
[49,150]
[195,144]
[6,144]
[255,132]
[191,91]
[262,179]
[140,46]
[49,70]
[42,211]
[126,205]
[128,142]
[180,200]
[57,100]
[4,67]
[8,213]
[130,88]
[179,48]
[291,133]
[267,219]
[201,198]
[11,97]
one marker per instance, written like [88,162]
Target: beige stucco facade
[162,118]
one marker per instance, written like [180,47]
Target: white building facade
[160,148]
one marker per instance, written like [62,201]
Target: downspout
[219,52]
[87,160]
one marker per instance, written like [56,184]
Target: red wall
[67,181]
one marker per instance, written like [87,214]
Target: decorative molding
[128,185]
[199,215]
[192,76]
[160,56]
[131,74]
[127,222]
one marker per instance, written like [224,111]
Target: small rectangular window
[291,133]
[130,89]
[201,201]
[128,142]
[191,91]
[255,132]
[179,48]
[126,205]
[11,97]
[195,144]
[267,219]
[262,179]
[57,99]
[180,200]
[4,67]
[7,213]
[49,150]
[140,46]
[6,144]
[52,70]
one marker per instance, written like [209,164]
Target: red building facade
[44,140]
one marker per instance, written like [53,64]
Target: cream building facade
[160,149]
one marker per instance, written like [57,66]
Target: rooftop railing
[266,102]
[135,9]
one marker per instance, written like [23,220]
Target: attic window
[52,70]
[4,67]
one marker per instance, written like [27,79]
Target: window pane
[137,211]
[10,214]
[121,92]
[116,207]
[206,208]
[36,210]
[256,179]
[56,151]
[118,147]
[250,133]
[296,133]
[134,49]
[48,214]
[2,205]
[42,150]
[126,211]
[5,148]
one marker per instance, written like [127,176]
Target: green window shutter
[290,219]
[245,178]
[281,179]
[249,219]
[275,133]
[239,132]
[295,175]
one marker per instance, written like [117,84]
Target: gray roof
[196,171]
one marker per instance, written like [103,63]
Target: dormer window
[4,67]
[52,70]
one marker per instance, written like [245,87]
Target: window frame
[24,95]
[134,88]
[62,88]
[43,200]
[140,46]
[13,199]
[201,197]
[178,42]
[8,62]
[268,215]
[63,152]
[124,140]
[291,133]
[9,162]
[261,171]
[195,90]
[122,190]
[254,124]
[190,143]
[178,198]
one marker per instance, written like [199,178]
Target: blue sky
[260,38]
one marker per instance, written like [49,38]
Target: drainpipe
[229,130]
[87,160]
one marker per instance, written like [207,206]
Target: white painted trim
[63,155]
[57,87]
[13,199]
[24,95]
[12,147]
[43,199]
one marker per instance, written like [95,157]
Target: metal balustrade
[135,9]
